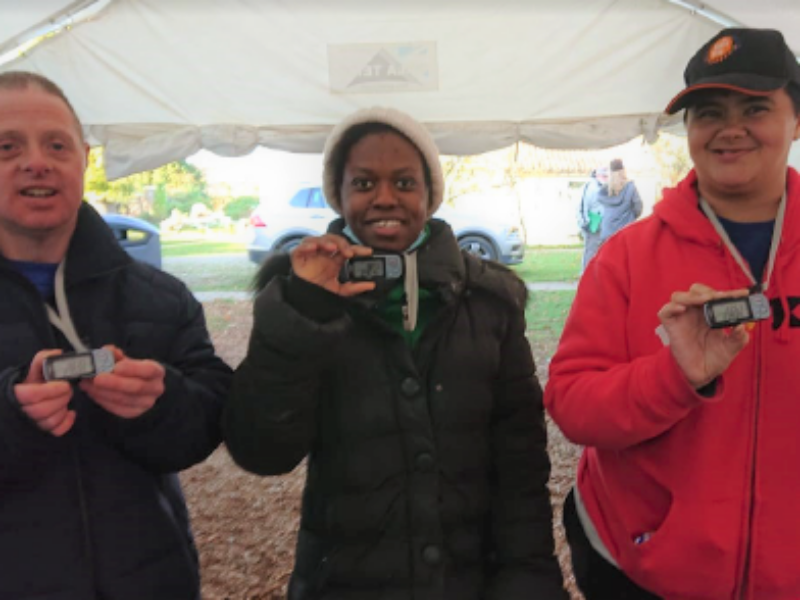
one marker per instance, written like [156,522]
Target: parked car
[279,227]
[140,239]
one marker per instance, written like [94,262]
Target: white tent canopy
[157,80]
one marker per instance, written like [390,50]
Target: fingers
[738,337]
[46,404]
[34,393]
[328,245]
[35,374]
[119,355]
[137,369]
[319,260]
[670,311]
[58,423]
[64,425]
[120,404]
[130,379]
[699,294]
[129,391]
[361,251]
[132,388]
[349,289]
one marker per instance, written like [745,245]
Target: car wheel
[478,246]
[287,246]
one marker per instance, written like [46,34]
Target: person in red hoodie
[687,487]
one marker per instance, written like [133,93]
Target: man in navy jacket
[90,505]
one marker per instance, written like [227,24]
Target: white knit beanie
[403,123]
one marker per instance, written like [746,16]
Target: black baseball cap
[751,61]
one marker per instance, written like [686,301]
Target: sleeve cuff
[16,376]
[312,301]
[682,390]
[708,390]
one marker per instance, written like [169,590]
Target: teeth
[391,223]
[38,192]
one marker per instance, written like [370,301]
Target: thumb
[118,354]
[738,338]
[35,373]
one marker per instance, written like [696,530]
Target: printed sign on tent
[372,68]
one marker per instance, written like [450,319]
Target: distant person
[90,503]
[590,214]
[689,417]
[415,398]
[620,201]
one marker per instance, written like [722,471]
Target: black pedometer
[729,312]
[373,268]
[78,365]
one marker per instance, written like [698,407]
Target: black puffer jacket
[427,471]
[98,513]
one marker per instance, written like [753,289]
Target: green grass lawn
[550,264]
[220,273]
[196,244]
[199,248]
[222,265]
[540,263]
[547,311]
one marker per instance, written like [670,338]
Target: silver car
[140,239]
[279,227]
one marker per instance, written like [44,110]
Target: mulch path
[245,525]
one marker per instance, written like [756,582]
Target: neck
[750,208]
[40,249]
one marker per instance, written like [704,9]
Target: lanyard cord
[62,320]
[773,249]
[411,288]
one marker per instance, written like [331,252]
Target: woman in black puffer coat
[415,398]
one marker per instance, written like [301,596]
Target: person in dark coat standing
[90,506]
[620,201]
[415,399]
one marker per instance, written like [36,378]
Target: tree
[152,193]
[241,207]
[672,157]
[464,175]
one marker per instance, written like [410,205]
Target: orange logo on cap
[720,50]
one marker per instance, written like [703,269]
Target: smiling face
[42,163]
[740,144]
[384,195]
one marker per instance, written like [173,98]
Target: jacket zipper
[87,537]
[745,574]
[83,507]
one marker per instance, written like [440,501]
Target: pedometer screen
[735,310]
[368,269]
[72,367]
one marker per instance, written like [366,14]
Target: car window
[300,199]
[317,199]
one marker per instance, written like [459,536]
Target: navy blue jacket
[99,513]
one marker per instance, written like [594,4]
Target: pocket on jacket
[644,540]
[685,552]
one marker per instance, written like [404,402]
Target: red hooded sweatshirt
[712,485]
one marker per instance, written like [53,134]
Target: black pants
[596,577]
